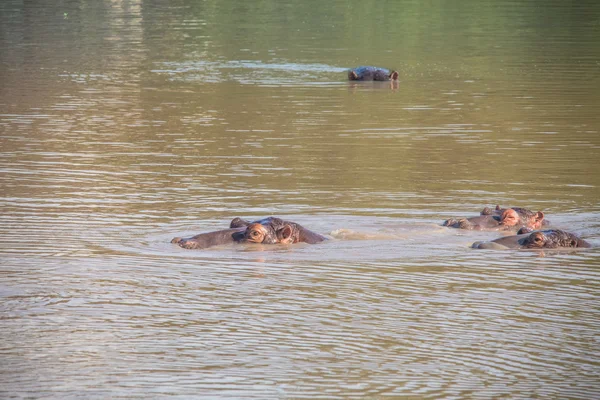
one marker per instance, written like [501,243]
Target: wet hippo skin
[209,239]
[275,230]
[481,222]
[269,230]
[372,74]
[500,219]
[216,238]
[546,239]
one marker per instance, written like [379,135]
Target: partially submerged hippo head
[525,239]
[269,230]
[513,217]
[552,239]
[500,219]
[275,230]
[372,74]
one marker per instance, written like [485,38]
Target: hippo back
[368,73]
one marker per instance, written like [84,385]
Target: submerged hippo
[547,239]
[500,219]
[372,74]
[519,213]
[269,230]
[274,230]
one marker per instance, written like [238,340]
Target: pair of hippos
[526,223]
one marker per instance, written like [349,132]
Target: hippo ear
[352,75]
[524,230]
[285,233]
[394,75]
[238,223]
[539,216]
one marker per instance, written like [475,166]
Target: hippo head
[268,231]
[552,239]
[259,233]
[536,240]
[512,217]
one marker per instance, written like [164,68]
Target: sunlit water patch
[254,72]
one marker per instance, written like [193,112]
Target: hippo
[527,239]
[522,213]
[500,219]
[271,230]
[274,230]
[372,74]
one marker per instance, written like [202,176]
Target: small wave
[349,234]
[252,72]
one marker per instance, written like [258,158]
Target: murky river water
[126,123]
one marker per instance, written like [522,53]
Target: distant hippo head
[365,73]
[525,239]
[520,216]
[552,239]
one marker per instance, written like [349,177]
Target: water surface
[124,124]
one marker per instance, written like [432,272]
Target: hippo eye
[537,239]
[254,233]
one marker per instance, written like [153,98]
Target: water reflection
[252,72]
